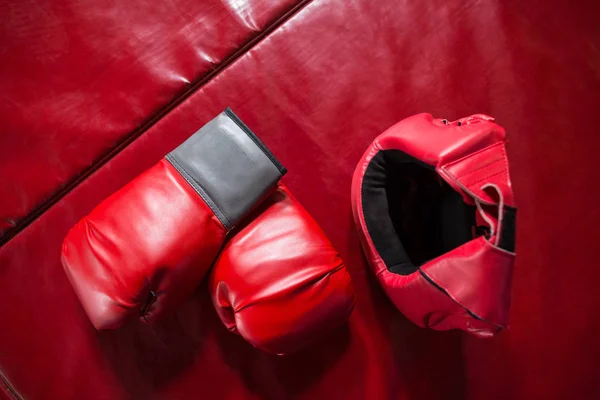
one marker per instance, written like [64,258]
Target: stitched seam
[443,290]
[466,188]
[473,154]
[312,281]
[454,177]
[496,161]
[505,159]
[8,388]
[486,178]
[40,209]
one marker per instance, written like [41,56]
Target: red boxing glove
[279,282]
[416,196]
[145,248]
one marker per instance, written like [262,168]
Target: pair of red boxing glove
[213,202]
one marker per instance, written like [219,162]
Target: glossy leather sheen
[155,235]
[78,78]
[469,154]
[279,283]
[147,246]
[319,89]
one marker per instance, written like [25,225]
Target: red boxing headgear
[435,211]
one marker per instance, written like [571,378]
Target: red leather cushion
[81,79]
[318,90]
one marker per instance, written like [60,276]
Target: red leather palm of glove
[279,282]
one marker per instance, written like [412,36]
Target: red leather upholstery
[319,89]
[81,79]
[279,283]
[467,287]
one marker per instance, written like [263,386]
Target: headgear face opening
[434,208]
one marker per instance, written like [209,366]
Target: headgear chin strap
[434,208]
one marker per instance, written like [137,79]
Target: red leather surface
[485,267]
[463,155]
[432,141]
[474,174]
[156,234]
[318,90]
[279,283]
[78,78]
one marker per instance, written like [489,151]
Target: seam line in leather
[8,388]
[311,281]
[471,313]
[39,210]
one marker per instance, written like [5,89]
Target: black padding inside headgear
[411,214]
[507,235]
